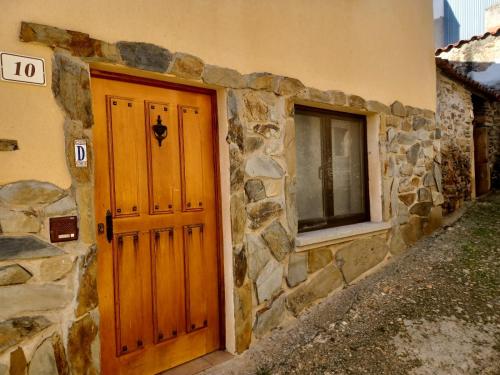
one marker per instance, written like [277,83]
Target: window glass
[331,168]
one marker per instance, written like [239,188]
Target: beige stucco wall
[378,49]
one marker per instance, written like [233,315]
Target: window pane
[309,184]
[347,166]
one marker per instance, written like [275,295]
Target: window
[331,168]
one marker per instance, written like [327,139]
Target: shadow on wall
[486,73]
[451,25]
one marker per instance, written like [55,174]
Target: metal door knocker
[160,130]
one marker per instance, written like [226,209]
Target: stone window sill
[329,236]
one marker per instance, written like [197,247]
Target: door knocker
[160,130]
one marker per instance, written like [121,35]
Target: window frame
[328,220]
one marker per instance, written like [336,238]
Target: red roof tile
[460,43]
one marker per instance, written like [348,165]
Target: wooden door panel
[168,285]
[163,160]
[124,168]
[192,158]
[196,282]
[158,280]
[131,298]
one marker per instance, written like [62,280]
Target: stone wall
[273,279]
[454,119]
[494,147]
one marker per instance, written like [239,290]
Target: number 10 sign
[17,68]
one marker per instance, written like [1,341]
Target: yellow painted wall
[378,49]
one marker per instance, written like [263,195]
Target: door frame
[104,74]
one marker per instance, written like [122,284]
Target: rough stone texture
[55,268]
[71,87]
[421,209]
[243,316]
[397,244]
[29,297]
[408,198]
[87,293]
[270,317]
[239,268]
[374,106]
[288,86]
[13,274]
[145,56]
[64,206]
[238,217]
[43,361]
[261,81]
[297,269]
[215,75]
[269,280]
[357,102]
[60,356]
[186,66]
[412,231]
[360,255]
[13,331]
[8,145]
[26,247]
[29,193]
[267,130]
[433,221]
[258,255]
[319,286]
[81,336]
[263,166]
[319,258]
[260,212]
[19,221]
[18,362]
[398,109]
[255,190]
[277,240]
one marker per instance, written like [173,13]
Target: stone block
[437,198]
[26,247]
[255,190]
[64,206]
[407,198]
[434,220]
[267,130]
[270,317]
[81,339]
[262,211]
[87,298]
[258,255]
[324,282]
[403,213]
[14,221]
[25,298]
[186,66]
[253,144]
[277,240]
[297,269]
[396,244]
[319,258]
[13,331]
[374,106]
[13,274]
[316,95]
[360,256]
[256,109]
[288,86]
[413,153]
[71,88]
[243,317]
[290,202]
[30,193]
[356,101]
[239,267]
[55,268]
[238,217]
[406,138]
[424,195]
[337,97]
[145,56]
[263,166]
[412,231]
[269,281]
[261,81]
[215,75]
[421,209]
[398,109]
[43,361]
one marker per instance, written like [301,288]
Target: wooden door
[481,167]
[158,274]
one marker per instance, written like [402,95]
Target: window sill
[323,237]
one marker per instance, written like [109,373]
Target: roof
[453,73]
[460,43]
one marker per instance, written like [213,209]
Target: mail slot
[63,228]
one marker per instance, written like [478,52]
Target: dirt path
[435,310]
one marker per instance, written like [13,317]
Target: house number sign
[80,153]
[25,69]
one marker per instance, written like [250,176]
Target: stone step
[26,247]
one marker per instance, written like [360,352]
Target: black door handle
[109,226]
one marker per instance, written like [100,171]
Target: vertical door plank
[163,161]
[192,158]
[168,285]
[130,295]
[123,156]
[196,280]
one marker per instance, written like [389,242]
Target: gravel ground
[434,310]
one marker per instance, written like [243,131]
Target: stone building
[193,175]
[468,114]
